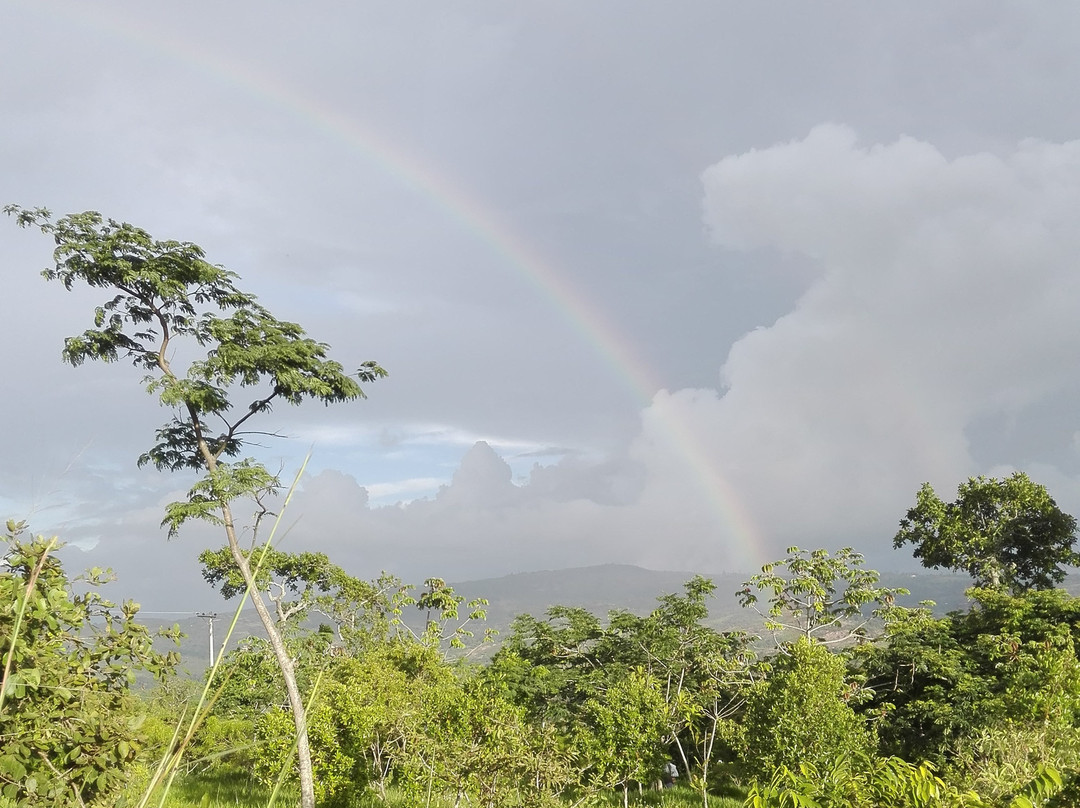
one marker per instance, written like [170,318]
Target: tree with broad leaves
[553,667]
[819,595]
[162,294]
[1004,533]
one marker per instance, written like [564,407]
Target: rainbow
[409,171]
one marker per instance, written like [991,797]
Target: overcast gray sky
[672,284]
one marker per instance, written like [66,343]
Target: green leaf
[12,768]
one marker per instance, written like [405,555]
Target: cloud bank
[943,299]
[942,307]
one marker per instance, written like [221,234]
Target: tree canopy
[1003,533]
[165,291]
[818,595]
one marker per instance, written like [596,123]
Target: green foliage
[800,713]
[299,584]
[442,618]
[943,686]
[1006,532]
[171,704]
[923,686]
[703,674]
[552,665]
[217,739]
[555,666]
[478,746]
[626,725]
[250,682]
[69,727]
[224,483]
[859,781]
[398,717]
[166,290]
[393,714]
[361,722]
[815,594]
[1012,759]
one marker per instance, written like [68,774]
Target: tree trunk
[285,664]
[706,754]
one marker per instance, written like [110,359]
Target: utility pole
[210,617]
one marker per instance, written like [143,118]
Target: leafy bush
[70,730]
[859,781]
[799,715]
[1002,761]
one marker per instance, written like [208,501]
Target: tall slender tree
[821,597]
[162,294]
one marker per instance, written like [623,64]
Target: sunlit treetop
[1004,533]
[164,292]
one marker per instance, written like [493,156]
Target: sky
[677,285]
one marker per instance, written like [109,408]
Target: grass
[676,797]
[225,788]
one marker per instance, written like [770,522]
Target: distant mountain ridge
[599,589]
[606,587]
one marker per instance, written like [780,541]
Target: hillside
[599,589]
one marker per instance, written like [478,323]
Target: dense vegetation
[976,708]
[857,701]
